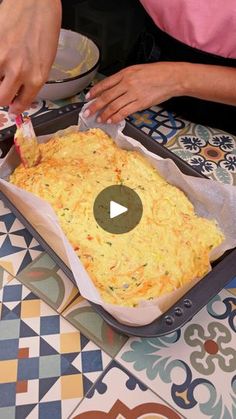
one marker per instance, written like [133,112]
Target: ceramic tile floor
[58,359]
[46,364]
[194,368]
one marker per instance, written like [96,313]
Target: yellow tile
[8,371]
[8,266]
[30,308]
[71,386]
[70,342]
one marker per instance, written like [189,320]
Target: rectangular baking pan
[223,270]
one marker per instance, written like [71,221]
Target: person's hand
[134,88]
[29,32]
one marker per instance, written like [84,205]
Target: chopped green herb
[111,288]
[109,243]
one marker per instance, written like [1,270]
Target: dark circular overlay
[121,195]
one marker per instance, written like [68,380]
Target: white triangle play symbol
[116,209]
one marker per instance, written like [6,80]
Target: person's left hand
[133,89]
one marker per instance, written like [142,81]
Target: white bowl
[75,66]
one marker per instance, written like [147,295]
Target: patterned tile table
[58,359]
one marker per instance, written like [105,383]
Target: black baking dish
[197,297]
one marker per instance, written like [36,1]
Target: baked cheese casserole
[168,248]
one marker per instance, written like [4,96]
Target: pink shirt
[208,25]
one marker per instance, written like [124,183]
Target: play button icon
[117,209]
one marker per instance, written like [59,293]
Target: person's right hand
[29,32]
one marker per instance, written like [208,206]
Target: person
[194,74]
[29,32]
[195,71]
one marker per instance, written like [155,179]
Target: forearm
[29,31]
[208,82]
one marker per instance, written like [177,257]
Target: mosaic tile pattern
[44,278]
[17,246]
[231,287]
[131,399]
[158,123]
[5,277]
[193,368]
[46,365]
[82,315]
[211,152]
[49,283]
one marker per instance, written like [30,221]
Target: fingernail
[12,116]
[87,96]
[99,120]
[109,121]
[86,113]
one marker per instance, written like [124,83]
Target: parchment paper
[210,199]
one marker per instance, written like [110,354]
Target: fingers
[114,96]
[123,113]
[106,98]
[25,96]
[115,110]
[9,87]
[104,85]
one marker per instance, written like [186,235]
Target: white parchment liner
[210,199]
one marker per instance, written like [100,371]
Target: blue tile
[91,361]
[23,412]
[8,220]
[49,325]
[8,314]
[28,369]
[26,331]
[66,364]
[231,284]
[50,410]
[12,293]
[9,349]
[8,248]
[46,349]
[45,384]
[7,394]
